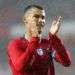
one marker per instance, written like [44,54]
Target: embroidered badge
[40,51]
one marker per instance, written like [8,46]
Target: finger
[58,24]
[60,19]
[57,19]
[54,20]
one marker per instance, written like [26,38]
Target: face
[35,18]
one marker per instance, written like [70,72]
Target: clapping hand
[56,25]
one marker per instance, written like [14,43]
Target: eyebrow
[37,16]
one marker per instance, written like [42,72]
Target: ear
[23,19]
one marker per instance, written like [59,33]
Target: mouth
[41,25]
[39,32]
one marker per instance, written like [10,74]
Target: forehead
[34,10]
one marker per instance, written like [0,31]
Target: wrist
[51,35]
[52,32]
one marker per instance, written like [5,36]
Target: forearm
[20,60]
[61,55]
[26,57]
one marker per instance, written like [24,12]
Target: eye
[39,16]
[42,17]
[36,16]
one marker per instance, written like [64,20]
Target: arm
[18,58]
[61,54]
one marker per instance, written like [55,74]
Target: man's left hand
[56,25]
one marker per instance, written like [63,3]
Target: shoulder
[15,43]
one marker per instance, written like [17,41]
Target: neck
[28,36]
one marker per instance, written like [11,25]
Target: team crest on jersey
[40,52]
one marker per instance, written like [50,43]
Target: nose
[42,21]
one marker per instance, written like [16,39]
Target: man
[33,55]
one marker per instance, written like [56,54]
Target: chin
[39,32]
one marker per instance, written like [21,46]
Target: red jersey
[36,58]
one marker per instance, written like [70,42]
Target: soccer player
[32,54]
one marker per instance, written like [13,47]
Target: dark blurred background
[11,26]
